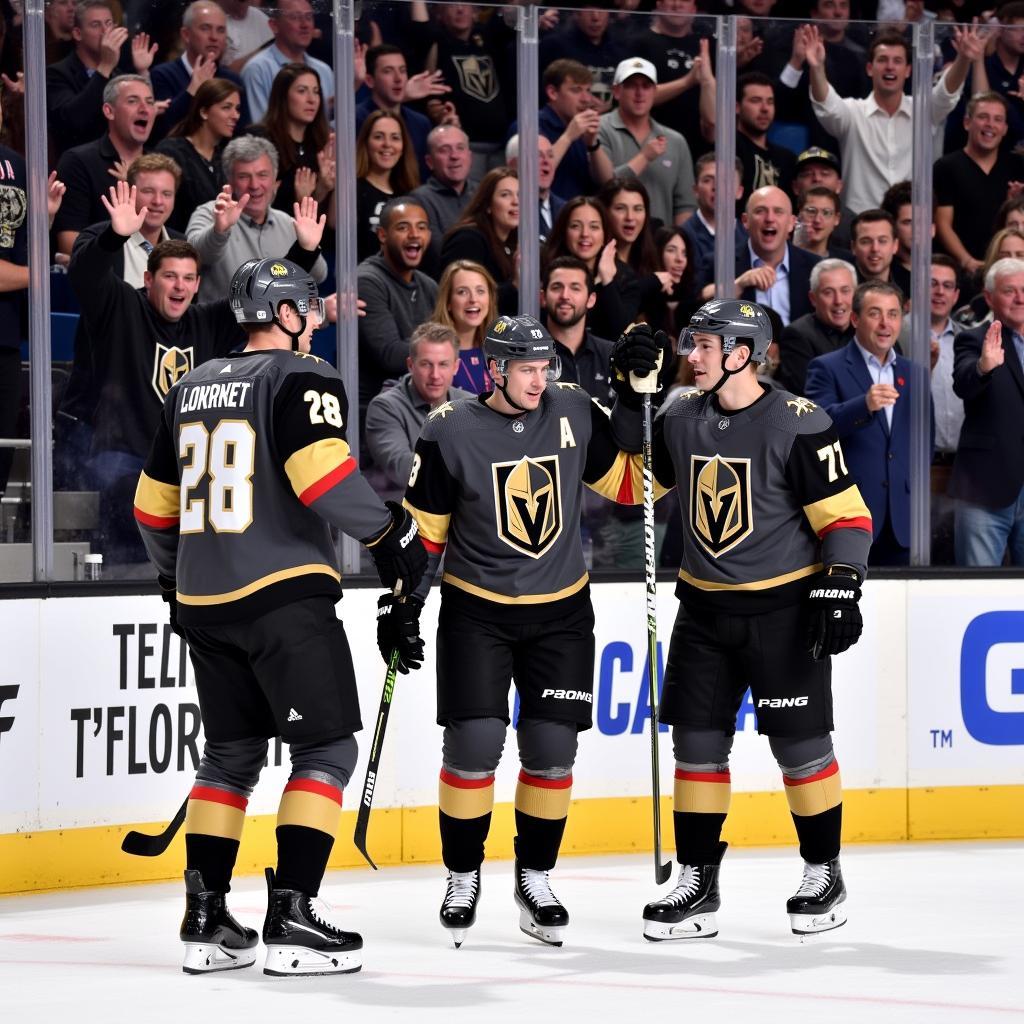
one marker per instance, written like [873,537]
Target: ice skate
[301,939]
[458,909]
[214,940]
[541,915]
[688,911]
[817,905]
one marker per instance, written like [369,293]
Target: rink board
[100,731]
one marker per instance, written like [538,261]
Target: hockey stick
[646,386]
[138,844]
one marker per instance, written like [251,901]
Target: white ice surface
[936,934]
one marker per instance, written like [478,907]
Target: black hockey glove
[169,592]
[398,628]
[398,553]
[835,620]
[636,351]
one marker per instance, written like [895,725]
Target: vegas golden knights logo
[528,503]
[721,512]
[477,76]
[169,365]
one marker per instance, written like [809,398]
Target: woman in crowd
[385,167]
[488,233]
[295,122]
[672,309]
[582,229]
[466,299]
[1009,242]
[196,144]
[1011,214]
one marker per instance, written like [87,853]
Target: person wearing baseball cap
[820,168]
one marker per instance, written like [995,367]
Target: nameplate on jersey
[721,502]
[170,364]
[528,503]
[228,394]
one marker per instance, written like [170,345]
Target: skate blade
[207,957]
[296,961]
[549,936]
[458,935]
[814,924]
[700,926]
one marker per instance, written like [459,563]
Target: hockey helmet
[735,321]
[523,338]
[259,286]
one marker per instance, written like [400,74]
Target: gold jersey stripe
[431,525]
[263,581]
[311,464]
[310,810]
[847,504]
[490,595]
[206,818]
[815,797]
[465,803]
[155,498]
[701,797]
[775,581]
[541,802]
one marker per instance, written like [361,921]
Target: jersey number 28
[226,456]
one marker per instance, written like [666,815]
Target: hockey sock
[816,803]
[465,819]
[213,828]
[542,807]
[307,822]
[700,803]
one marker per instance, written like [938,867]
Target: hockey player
[248,471]
[496,485]
[776,537]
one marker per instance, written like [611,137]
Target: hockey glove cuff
[169,592]
[398,628]
[835,619]
[636,351]
[398,553]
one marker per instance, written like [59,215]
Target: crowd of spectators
[206,128]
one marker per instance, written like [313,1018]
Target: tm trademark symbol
[941,738]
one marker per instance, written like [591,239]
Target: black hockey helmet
[258,288]
[524,338]
[735,321]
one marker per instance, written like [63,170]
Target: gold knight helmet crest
[746,310]
[278,270]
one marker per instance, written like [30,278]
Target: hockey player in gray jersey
[496,486]
[776,537]
[249,469]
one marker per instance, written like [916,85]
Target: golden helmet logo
[170,364]
[278,270]
[746,310]
[528,504]
[721,503]
[499,327]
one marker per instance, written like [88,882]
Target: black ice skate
[458,910]
[688,911]
[818,903]
[214,940]
[302,939]
[541,915]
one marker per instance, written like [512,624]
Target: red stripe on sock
[457,782]
[703,776]
[825,773]
[533,780]
[323,789]
[218,796]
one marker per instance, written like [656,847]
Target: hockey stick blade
[138,844]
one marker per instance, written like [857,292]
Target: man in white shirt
[875,133]
[248,32]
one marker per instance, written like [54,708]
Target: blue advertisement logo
[983,722]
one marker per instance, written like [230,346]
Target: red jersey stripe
[157,522]
[863,523]
[325,483]
[432,548]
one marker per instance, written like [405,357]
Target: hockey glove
[397,552]
[636,351]
[169,592]
[398,628]
[835,620]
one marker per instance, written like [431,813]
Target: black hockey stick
[138,844]
[647,385]
[373,765]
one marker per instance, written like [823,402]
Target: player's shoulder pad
[564,393]
[689,402]
[798,415]
[449,417]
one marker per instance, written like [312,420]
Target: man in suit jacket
[865,387]
[786,282]
[988,472]
[550,204]
[828,328]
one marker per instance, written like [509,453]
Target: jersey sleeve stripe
[156,503]
[623,483]
[432,547]
[845,506]
[433,527]
[863,523]
[315,469]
